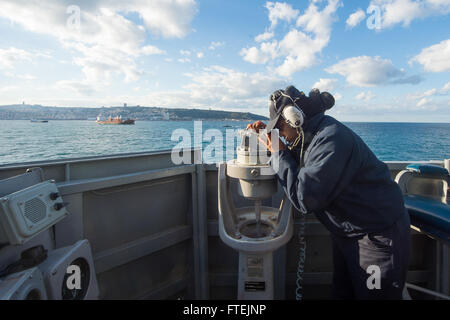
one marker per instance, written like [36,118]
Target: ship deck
[153,229]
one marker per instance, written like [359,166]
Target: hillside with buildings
[28,112]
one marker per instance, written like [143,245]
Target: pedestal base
[255,276]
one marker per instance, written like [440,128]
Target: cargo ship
[115,120]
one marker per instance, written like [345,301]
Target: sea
[25,141]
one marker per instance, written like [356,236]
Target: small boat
[39,121]
[115,120]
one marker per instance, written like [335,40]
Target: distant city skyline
[383,60]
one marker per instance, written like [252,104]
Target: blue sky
[229,55]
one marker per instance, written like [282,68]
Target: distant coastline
[29,112]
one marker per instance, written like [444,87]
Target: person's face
[286,131]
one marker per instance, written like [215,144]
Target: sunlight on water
[23,141]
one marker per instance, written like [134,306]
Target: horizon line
[209,109]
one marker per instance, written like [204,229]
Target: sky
[383,60]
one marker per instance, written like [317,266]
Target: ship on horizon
[115,120]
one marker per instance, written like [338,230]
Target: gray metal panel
[101,158]
[70,229]
[138,278]
[84,185]
[122,166]
[55,172]
[22,181]
[137,249]
[118,215]
[95,167]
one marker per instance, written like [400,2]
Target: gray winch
[257,231]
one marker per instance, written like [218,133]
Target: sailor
[327,169]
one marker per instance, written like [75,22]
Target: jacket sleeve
[328,169]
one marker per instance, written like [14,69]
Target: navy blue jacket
[340,180]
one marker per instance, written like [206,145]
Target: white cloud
[185,52]
[216,44]
[446,88]
[167,18]
[400,107]
[107,41]
[81,87]
[405,11]
[422,95]
[200,55]
[430,92]
[151,50]
[305,46]
[264,36]
[9,57]
[267,51]
[301,45]
[300,51]
[8,89]
[280,11]
[365,96]
[25,76]
[319,21]
[431,99]
[355,18]
[435,58]
[98,63]
[229,82]
[184,60]
[367,71]
[219,87]
[326,84]
[422,102]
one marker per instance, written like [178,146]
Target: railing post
[202,220]
[446,247]
[195,238]
[444,254]
[67,172]
[446,186]
[445,280]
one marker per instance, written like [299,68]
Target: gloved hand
[258,125]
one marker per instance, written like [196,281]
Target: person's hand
[258,125]
[268,143]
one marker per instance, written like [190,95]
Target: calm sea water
[24,141]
